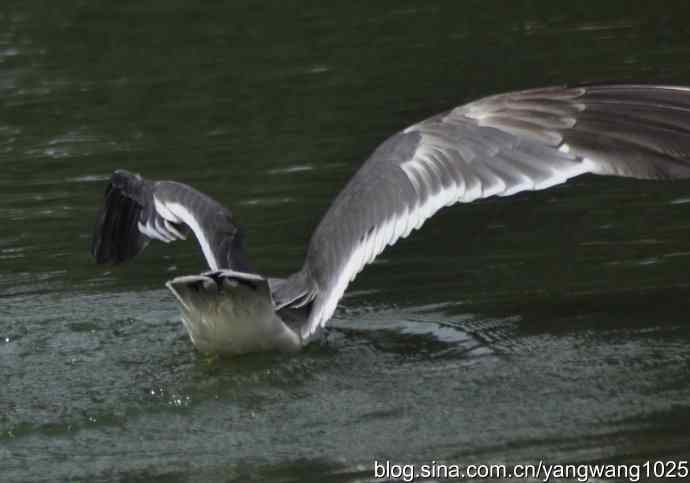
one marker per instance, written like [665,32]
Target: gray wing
[137,210]
[499,145]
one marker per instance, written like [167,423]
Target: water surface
[551,325]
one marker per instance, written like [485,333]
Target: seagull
[496,146]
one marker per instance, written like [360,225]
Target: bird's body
[228,312]
[496,146]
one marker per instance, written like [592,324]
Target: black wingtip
[116,236]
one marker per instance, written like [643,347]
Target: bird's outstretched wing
[137,210]
[499,145]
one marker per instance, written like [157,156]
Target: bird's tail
[225,310]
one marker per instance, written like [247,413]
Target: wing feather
[498,145]
[137,211]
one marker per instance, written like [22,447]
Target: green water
[550,325]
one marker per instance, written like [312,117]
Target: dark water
[552,325]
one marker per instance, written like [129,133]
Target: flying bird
[496,146]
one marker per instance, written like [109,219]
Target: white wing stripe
[171,228]
[164,211]
[161,227]
[356,261]
[177,211]
[146,230]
